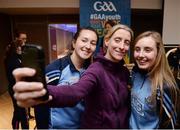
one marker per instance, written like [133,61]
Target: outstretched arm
[27,93]
[70,95]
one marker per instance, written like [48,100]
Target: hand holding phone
[33,57]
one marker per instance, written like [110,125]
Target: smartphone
[33,57]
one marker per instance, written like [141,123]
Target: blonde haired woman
[103,86]
[154,91]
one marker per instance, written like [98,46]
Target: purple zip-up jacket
[104,89]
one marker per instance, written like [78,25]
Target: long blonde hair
[160,74]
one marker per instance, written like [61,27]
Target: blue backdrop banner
[96,13]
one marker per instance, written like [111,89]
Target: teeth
[141,62]
[86,52]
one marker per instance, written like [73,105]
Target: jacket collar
[72,67]
[110,65]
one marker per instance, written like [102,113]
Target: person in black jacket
[174,62]
[12,61]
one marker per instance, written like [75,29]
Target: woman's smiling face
[118,45]
[85,44]
[145,53]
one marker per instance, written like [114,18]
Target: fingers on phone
[28,103]
[30,98]
[25,96]
[22,86]
[19,73]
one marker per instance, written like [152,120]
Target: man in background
[174,62]
[23,37]
[12,61]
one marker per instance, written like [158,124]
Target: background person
[103,86]
[12,61]
[107,26]
[20,35]
[174,62]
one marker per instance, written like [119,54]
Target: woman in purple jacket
[104,86]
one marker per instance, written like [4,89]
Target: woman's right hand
[27,93]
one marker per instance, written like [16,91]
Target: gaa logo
[104,6]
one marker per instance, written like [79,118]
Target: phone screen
[33,57]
